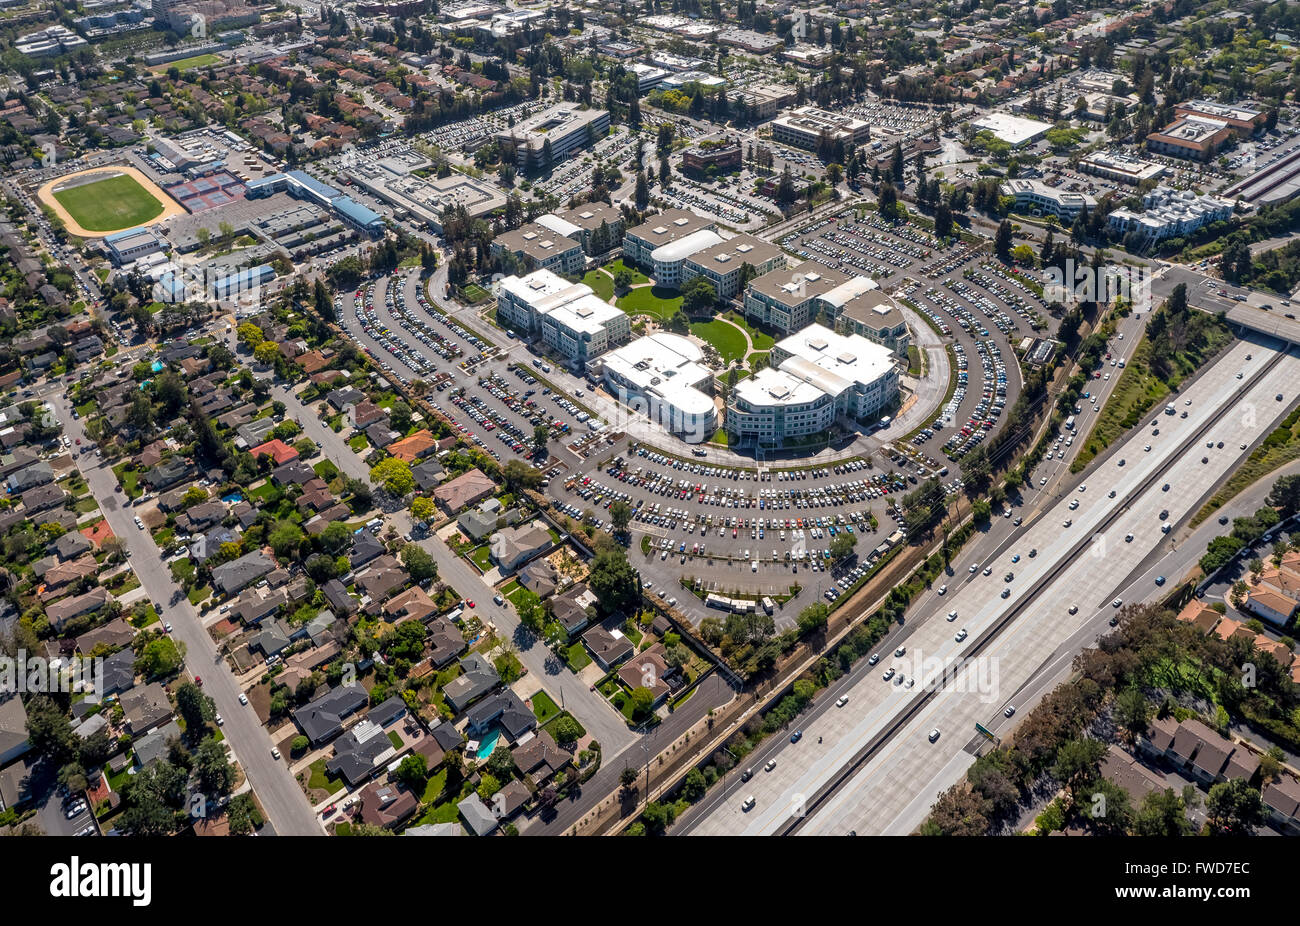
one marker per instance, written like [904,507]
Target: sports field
[110,204]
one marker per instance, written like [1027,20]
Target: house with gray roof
[322,719]
[360,752]
[477,816]
[153,746]
[336,593]
[236,575]
[478,677]
[504,708]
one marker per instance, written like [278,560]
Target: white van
[747,804]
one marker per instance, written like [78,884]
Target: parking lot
[977,304]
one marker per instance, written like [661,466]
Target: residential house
[465,490]
[238,574]
[322,719]
[539,758]
[477,678]
[514,546]
[608,647]
[504,709]
[387,805]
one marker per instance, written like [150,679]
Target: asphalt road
[281,796]
[892,792]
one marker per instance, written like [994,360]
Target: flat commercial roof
[666,365]
[776,387]
[847,358]
[536,240]
[795,286]
[1014,130]
[734,253]
[670,225]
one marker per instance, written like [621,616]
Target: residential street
[279,792]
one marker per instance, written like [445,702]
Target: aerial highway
[875,769]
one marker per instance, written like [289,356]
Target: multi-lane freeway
[875,769]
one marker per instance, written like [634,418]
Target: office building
[1121,168]
[1191,137]
[816,376]
[583,223]
[572,321]
[723,264]
[1245,118]
[805,126]
[1038,198]
[669,227]
[1169,213]
[540,248]
[567,127]
[663,377]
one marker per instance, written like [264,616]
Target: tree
[814,617]
[628,778]
[195,707]
[842,545]
[419,563]
[413,772]
[1077,762]
[1162,813]
[541,434]
[266,352]
[698,295]
[519,475]
[694,785]
[620,513]
[614,582]
[212,762]
[159,658]
[1132,712]
[242,815]
[1234,808]
[942,221]
[423,508]
[566,730]
[1002,243]
[394,475]
[284,537]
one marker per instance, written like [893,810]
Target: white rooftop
[667,365]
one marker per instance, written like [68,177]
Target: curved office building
[663,377]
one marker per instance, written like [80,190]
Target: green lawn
[482,557]
[475,294]
[577,658]
[321,779]
[197,61]
[358,442]
[128,478]
[434,787]
[520,597]
[110,204]
[725,338]
[544,707]
[761,340]
[660,301]
[198,594]
[601,282]
[637,276]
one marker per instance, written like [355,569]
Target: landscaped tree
[566,730]
[160,658]
[519,475]
[541,434]
[242,815]
[266,352]
[620,513]
[698,295]
[212,763]
[1234,808]
[413,771]
[628,778]
[195,708]
[1002,242]
[614,582]
[1162,813]
[842,545]
[420,565]
[394,475]
[423,508]
[643,701]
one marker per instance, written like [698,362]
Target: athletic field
[110,204]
